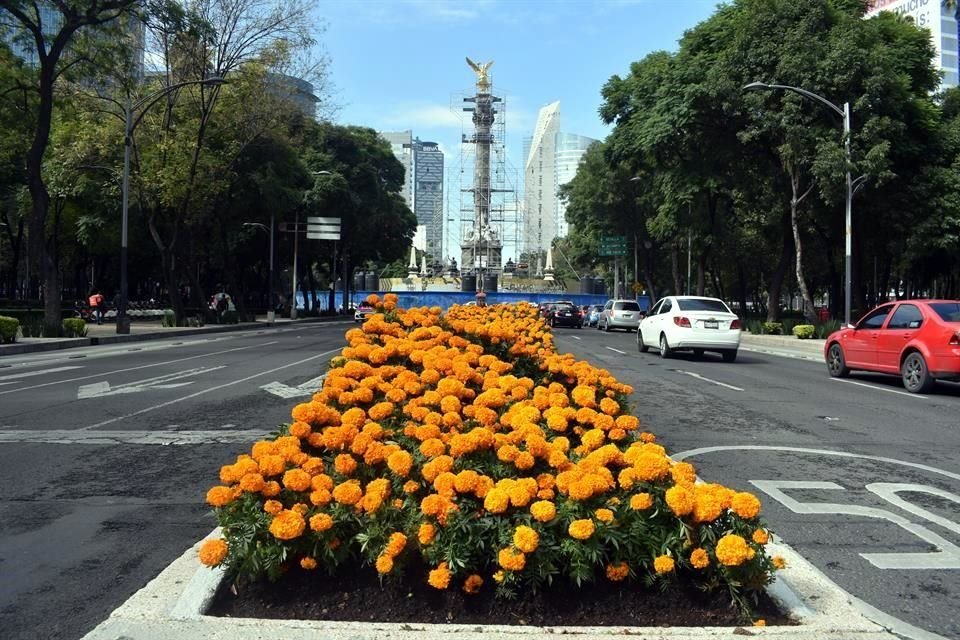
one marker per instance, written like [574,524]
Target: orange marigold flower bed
[435,431]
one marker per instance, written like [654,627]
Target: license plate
[711,324]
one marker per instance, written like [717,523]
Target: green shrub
[804,331]
[826,328]
[74,328]
[773,328]
[8,329]
[169,318]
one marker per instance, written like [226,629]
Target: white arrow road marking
[870,386]
[710,380]
[307,388]
[101,389]
[17,376]
[618,351]
[66,436]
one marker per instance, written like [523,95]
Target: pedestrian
[97,306]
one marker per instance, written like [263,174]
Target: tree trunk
[741,288]
[808,312]
[675,269]
[776,278]
[702,271]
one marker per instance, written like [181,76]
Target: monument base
[481,257]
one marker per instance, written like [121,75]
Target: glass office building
[944,31]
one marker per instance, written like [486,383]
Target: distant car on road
[565,314]
[690,322]
[364,311]
[919,340]
[619,314]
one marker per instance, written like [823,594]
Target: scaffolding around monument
[486,245]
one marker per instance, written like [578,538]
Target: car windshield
[702,304]
[949,311]
[626,306]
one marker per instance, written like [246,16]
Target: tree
[56,55]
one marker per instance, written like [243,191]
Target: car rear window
[700,304]
[949,311]
[626,306]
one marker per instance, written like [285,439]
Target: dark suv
[566,314]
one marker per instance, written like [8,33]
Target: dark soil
[356,595]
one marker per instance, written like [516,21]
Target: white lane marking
[870,386]
[307,388]
[576,337]
[824,452]
[617,350]
[145,366]
[889,490]
[710,380]
[100,389]
[65,436]
[17,376]
[947,555]
[204,391]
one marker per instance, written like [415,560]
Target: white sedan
[690,322]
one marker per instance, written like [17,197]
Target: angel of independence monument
[481,246]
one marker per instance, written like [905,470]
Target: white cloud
[420,11]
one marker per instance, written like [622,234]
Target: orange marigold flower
[297,480]
[321,522]
[496,501]
[746,505]
[273,507]
[760,622]
[617,572]
[411,486]
[581,529]
[641,501]
[663,564]
[609,406]
[760,536]
[650,466]
[308,563]
[733,551]
[543,511]
[499,576]
[395,544]
[272,465]
[604,515]
[384,564]
[646,436]
[400,463]
[472,584]
[779,562]
[381,411]
[426,533]
[510,560]
[439,578]
[699,559]
[526,539]
[271,489]
[680,500]
[683,473]
[348,492]
[219,496]
[300,429]
[212,552]
[252,482]
[627,422]
[287,525]
[345,464]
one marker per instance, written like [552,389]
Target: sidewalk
[106,333]
[789,346]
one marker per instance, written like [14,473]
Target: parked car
[364,311]
[566,314]
[692,323]
[619,314]
[919,340]
[593,315]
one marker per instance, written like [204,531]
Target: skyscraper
[942,23]
[552,158]
[428,194]
[401,143]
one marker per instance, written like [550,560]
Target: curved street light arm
[803,92]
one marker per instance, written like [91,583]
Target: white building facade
[942,23]
[552,158]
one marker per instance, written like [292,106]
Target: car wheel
[664,347]
[916,376]
[641,346]
[836,363]
[729,355]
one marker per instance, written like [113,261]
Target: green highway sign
[613,246]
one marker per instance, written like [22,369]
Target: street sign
[613,246]
[319,228]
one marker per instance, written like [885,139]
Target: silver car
[620,314]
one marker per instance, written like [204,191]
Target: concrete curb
[56,344]
[811,344]
[172,606]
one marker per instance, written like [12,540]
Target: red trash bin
[823,313]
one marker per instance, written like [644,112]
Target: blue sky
[399,64]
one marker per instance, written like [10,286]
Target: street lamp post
[844,113]
[143,105]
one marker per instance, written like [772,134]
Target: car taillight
[681,321]
[734,324]
[955,340]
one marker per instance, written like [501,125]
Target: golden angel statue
[483,81]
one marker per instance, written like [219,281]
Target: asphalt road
[106,454]
[859,476]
